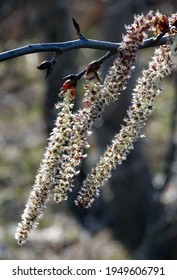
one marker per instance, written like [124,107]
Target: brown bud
[92,71]
[44,65]
[163,23]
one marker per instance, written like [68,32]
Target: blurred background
[136,215]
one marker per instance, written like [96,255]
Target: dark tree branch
[75,44]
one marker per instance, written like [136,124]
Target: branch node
[48,64]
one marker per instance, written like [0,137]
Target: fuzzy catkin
[119,73]
[147,88]
[44,182]
[76,145]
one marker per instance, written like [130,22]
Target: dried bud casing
[44,65]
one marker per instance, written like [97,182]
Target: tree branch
[75,44]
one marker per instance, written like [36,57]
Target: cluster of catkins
[68,140]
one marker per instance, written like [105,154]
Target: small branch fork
[82,42]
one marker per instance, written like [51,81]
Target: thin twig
[98,61]
[77,27]
[75,44]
